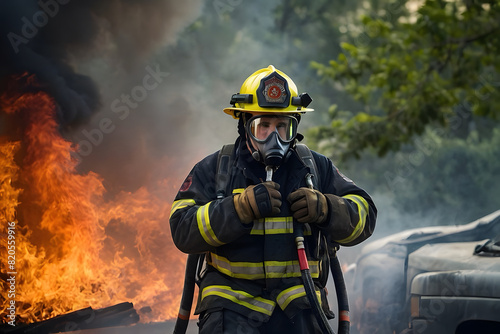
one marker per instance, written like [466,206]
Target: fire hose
[318,312]
[308,282]
[187,294]
[341,291]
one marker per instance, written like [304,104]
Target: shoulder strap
[224,162]
[306,156]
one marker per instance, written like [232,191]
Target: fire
[74,248]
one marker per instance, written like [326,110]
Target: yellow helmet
[268,90]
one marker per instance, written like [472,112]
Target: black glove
[308,206]
[258,201]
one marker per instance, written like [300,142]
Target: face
[261,126]
[264,126]
[270,135]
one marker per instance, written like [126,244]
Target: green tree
[415,69]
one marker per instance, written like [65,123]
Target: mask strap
[255,153]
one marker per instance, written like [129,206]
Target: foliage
[249,35]
[412,71]
[452,180]
[391,81]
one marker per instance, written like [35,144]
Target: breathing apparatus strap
[224,165]
[225,161]
[305,155]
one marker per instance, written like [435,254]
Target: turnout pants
[224,321]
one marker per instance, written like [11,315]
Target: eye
[265,124]
[281,125]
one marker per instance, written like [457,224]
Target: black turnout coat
[254,267]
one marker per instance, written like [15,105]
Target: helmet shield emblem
[273,92]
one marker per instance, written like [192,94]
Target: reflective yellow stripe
[276,225]
[279,269]
[290,294]
[243,298]
[286,296]
[202,216]
[182,203]
[259,270]
[273,225]
[238,190]
[247,270]
[362,212]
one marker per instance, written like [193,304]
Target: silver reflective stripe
[243,298]
[259,270]
[273,225]
[290,294]
[203,219]
[279,269]
[182,203]
[276,225]
[362,213]
[247,270]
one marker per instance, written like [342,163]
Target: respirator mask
[272,135]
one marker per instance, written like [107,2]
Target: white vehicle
[434,280]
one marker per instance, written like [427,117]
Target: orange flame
[74,249]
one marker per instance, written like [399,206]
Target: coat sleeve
[200,222]
[351,211]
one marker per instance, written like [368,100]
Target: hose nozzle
[269,173]
[309,181]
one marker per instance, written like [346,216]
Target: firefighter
[251,281]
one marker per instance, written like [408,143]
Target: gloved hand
[258,201]
[308,206]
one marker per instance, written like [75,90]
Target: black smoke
[88,53]
[51,38]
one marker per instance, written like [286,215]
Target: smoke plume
[52,38]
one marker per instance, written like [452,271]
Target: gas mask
[272,135]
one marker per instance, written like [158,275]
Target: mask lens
[261,127]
